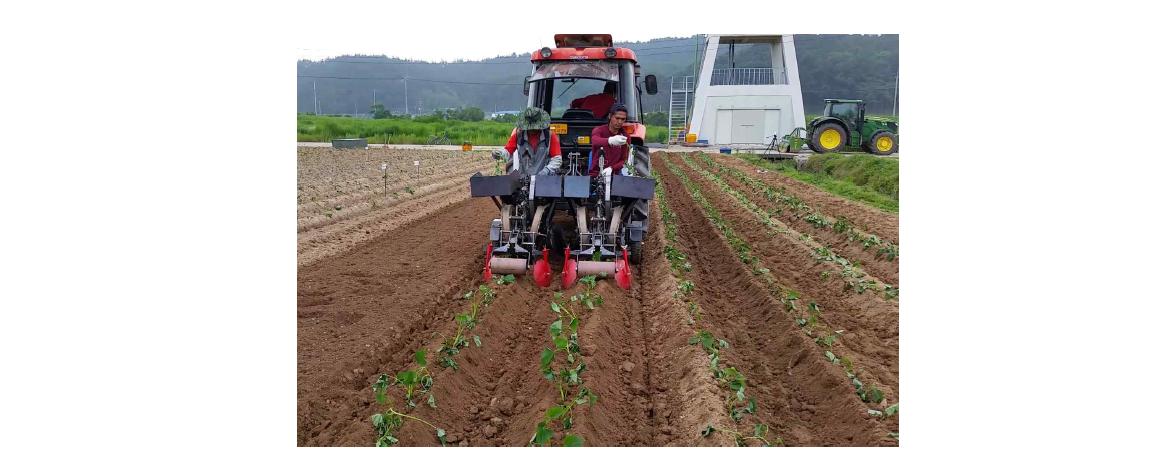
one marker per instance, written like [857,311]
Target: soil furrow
[870,324]
[317,213]
[336,238]
[883,224]
[886,271]
[803,398]
[497,395]
[359,311]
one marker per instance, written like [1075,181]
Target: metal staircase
[680,106]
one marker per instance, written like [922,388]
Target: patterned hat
[533,118]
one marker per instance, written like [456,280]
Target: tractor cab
[852,112]
[577,82]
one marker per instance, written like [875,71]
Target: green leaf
[555,328]
[477,340]
[874,395]
[543,435]
[759,430]
[567,423]
[892,410]
[573,441]
[407,378]
[708,431]
[874,413]
[441,436]
[546,358]
[752,407]
[829,355]
[432,401]
[421,357]
[555,411]
[555,307]
[573,325]
[561,343]
[377,419]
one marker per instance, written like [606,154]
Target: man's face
[617,120]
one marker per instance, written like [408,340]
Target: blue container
[726,151]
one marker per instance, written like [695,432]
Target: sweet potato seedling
[410,382]
[741,439]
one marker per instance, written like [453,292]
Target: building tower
[747,91]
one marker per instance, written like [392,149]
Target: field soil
[384,276]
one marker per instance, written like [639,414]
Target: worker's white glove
[552,167]
[499,154]
[606,172]
[616,140]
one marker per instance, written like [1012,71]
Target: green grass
[418,131]
[878,174]
[863,178]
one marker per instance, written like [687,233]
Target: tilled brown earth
[366,312]
[869,322]
[808,400]
[366,307]
[884,224]
[871,262]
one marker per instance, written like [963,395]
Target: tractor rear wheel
[828,137]
[883,143]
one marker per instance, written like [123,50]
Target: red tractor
[597,223]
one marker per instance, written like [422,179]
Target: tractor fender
[825,119]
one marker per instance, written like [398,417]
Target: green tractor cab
[844,126]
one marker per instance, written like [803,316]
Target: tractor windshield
[846,111]
[583,89]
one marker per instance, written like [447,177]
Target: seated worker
[598,103]
[609,140]
[539,150]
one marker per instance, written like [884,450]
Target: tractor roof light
[610,53]
[546,52]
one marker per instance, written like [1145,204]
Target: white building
[746,105]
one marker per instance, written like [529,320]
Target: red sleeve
[554,145]
[511,146]
[599,137]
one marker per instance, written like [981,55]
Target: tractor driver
[538,148]
[599,104]
[610,140]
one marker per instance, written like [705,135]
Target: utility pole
[895,95]
[374,97]
[406,78]
[314,97]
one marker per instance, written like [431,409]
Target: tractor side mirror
[650,84]
[525,86]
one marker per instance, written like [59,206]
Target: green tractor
[844,125]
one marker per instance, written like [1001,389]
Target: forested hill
[841,66]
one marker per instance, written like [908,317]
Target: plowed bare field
[765,313]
